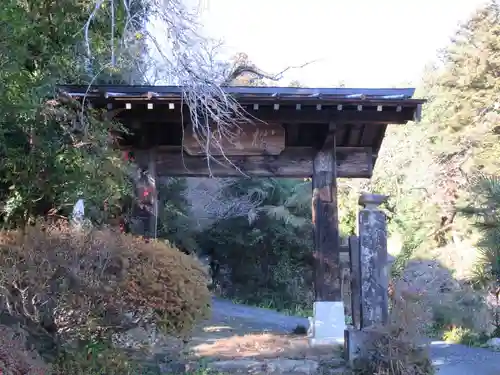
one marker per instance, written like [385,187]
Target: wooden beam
[245,139]
[352,162]
[285,115]
[327,279]
[326,115]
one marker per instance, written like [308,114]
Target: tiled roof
[270,93]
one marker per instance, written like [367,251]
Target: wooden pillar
[329,318]
[145,212]
[355,268]
[153,217]
[325,221]
[372,229]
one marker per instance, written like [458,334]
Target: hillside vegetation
[443,173]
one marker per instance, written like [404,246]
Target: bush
[266,263]
[103,360]
[98,282]
[396,347]
[464,336]
[16,357]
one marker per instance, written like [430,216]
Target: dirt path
[452,359]
[238,332]
[243,339]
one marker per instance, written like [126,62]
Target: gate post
[372,230]
[328,322]
[355,282]
[373,273]
[145,212]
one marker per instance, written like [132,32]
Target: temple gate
[297,132]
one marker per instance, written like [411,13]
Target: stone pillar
[373,278]
[372,229]
[328,322]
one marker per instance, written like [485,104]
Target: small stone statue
[310,329]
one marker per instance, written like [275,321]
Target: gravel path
[450,359]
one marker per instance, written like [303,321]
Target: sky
[364,43]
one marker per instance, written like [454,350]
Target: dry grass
[396,348]
[99,281]
[264,346]
[15,358]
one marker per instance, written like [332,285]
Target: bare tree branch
[242,67]
[181,56]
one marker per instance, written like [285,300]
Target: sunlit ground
[258,345]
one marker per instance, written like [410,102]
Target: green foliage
[175,225]
[268,250]
[483,208]
[405,220]
[424,167]
[348,196]
[268,246]
[464,336]
[51,153]
[464,108]
[442,174]
[99,357]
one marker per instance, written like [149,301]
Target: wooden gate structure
[322,133]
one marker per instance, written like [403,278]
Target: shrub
[99,282]
[105,360]
[267,262]
[463,308]
[464,336]
[396,347]
[15,357]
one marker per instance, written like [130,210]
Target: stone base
[353,345]
[327,324]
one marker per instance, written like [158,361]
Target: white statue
[78,215]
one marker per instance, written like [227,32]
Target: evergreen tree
[52,152]
[174,223]
[483,209]
[265,246]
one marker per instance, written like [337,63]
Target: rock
[136,338]
[172,367]
[148,340]
[292,366]
[280,366]
[237,366]
[35,337]
[494,343]
[337,371]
